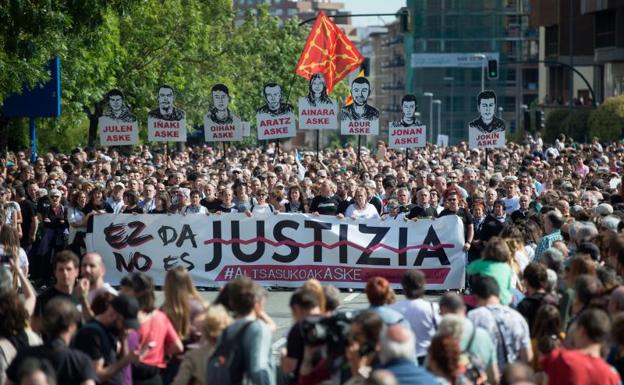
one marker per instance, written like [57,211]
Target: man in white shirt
[421,314]
[92,285]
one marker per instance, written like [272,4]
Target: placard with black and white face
[275,119]
[166,123]
[408,132]
[118,126]
[488,130]
[317,111]
[221,124]
[359,118]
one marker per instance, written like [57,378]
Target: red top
[574,367]
[159,330]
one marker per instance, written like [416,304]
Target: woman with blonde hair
[193,367]
[10,249]
[182,302]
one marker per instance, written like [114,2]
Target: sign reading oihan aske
[283,250]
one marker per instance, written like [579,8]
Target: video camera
[331,331]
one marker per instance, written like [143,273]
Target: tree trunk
[93,122]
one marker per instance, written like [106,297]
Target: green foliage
[607,121]
[138,45]
[572,123]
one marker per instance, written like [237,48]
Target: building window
[509,103]
[605,29]
[552,40]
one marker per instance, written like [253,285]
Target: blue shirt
[547,242]
[407,372]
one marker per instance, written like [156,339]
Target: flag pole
[359,144]
[318,143]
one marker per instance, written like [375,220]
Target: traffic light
[527,120]
[492,69]
[540,120]
[405,20]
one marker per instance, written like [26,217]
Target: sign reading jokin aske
[359,118]
[220,124]
[486,131]
[408,132]
[118,126]
[317,111]
[275,119]
[166,123]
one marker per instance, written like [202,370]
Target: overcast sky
[372,6]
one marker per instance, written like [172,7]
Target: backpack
[474,370]
[226,366]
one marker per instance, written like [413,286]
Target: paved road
[277,307]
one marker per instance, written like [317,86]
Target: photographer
[303,303]
[327,364]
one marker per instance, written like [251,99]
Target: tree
[607,121]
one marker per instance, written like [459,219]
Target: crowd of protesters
[544,243]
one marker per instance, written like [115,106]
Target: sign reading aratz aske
[275,119]
[486,131]
[166,123]
[118,126]
[359,118]
[408,132]
[317,111]
[283,250]
[220,124]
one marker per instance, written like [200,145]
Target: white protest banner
[283,250]
[400,136]
[318,111]
[160,130]
[317,117]
[488,130]
[480,139]
[118,126]
[223,132]
[166,123]
[275,127]
[114,132]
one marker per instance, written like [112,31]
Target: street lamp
[483,59]
[450,128]
[430,96]
[438,102]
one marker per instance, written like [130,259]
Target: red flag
[328,51]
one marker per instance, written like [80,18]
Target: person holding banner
[451,201]
[360,208]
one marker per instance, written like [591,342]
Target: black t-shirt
[295,347]
[212,206]
[132,210]
[343,204]
[491,227]
[48,294]
[421,212]
[71,366]
[324,205]
[98,343]
[463,214]
[29,210]
[530,304]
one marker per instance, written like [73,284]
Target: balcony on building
[396,61]
[398,85]
[392,40]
